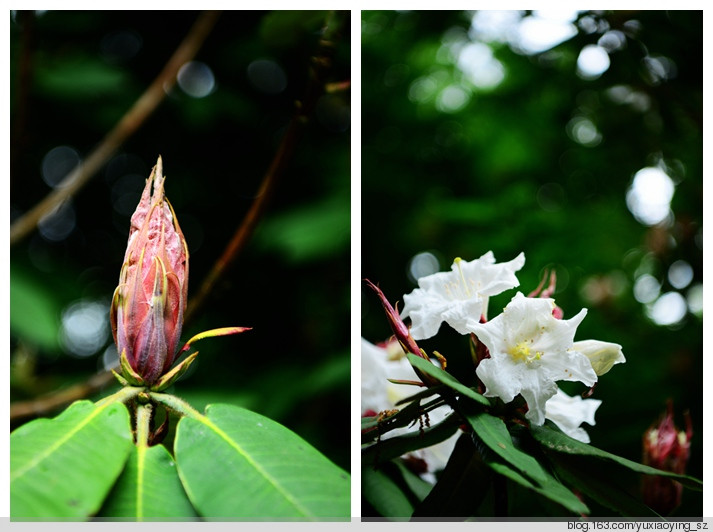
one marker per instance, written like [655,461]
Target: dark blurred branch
[127,126]
[55,400]
[321,64]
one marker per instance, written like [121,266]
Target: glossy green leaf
[235,464]
[600,482]
[149,489]
[554,439]
[550,488]
[462,485]
[384,493]
[446,378]
[493,432]
[62,468]
[389,448]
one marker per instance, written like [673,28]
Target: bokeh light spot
[592,62]
[196,79]
[267,76]
[57,163]
[680,274]
[59,223]
[668,309]
[85,327]
[649,196]
[646,288]
[452,99]
[422,264]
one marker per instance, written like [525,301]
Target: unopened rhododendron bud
[147,309]
[666,448]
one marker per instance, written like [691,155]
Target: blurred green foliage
[73,76]
[455,166]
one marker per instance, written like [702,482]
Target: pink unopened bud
[666,448]
[147,308]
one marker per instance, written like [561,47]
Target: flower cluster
[383,368]
[523,351]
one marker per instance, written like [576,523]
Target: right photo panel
[532,264]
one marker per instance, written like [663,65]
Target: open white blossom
[458,295]
[530,350]
[569,413]
[379,364]
[602,355]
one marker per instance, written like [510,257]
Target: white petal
[602,355]
[459,295]
[570,412]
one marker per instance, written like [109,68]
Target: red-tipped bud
[397,325]
[147,308]
[666,448]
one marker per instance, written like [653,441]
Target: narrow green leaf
[390,448]
[550,488]
[384,494]
[493,432]
[62,468]
[419,487]
[235,464]
[554,439]
[461,487]
[446,378]
[149,489]
[599,481]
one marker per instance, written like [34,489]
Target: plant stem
[177,405]
[122,396]
[143,424]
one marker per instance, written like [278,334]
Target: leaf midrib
[208,422]
[53,448]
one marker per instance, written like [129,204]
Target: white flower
[530,350]
[570,412]
[378,394]
[602,355]
[458,295]
[377,366]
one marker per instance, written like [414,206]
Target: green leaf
[34,310]
[494,433]
[554,439]
[235,464]
[307,233]
[384,493]
[446,378]
[149,488]
[462,485]
[62,468]
[419,487]
[390,448]
[600,481]
[550,488]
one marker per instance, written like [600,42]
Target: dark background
[508,172]
[291,282]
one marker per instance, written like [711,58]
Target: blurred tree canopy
[73,76]
[576,139]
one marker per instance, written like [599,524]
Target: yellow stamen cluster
[522,351]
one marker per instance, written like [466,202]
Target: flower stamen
[457,262]
[523,352]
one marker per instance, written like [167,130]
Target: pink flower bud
[147,308]
[666,448]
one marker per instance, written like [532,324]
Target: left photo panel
[180,266]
